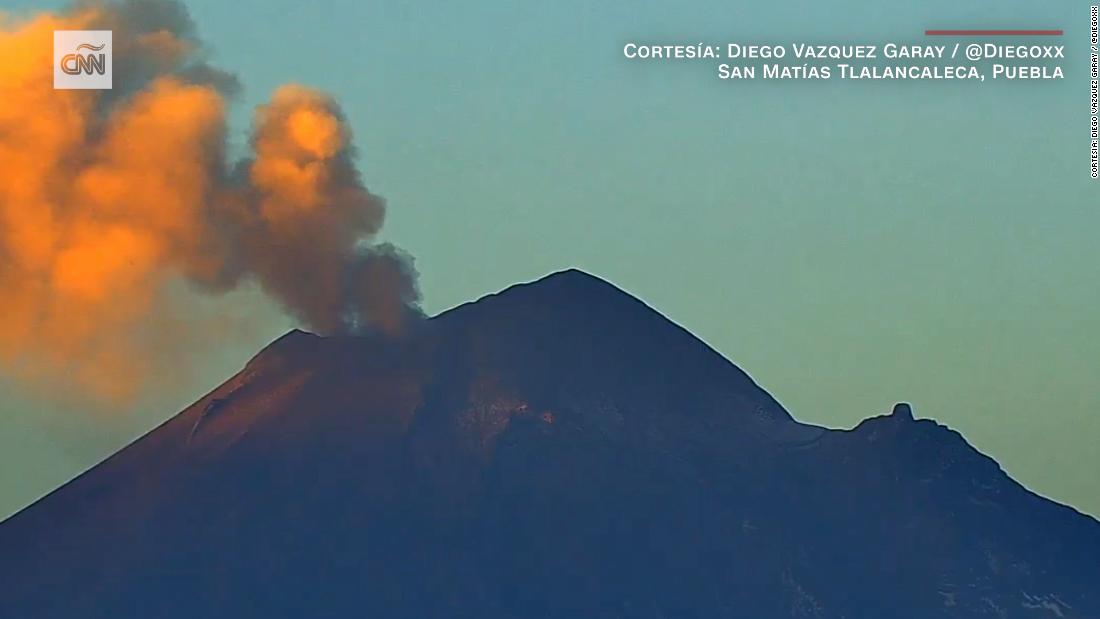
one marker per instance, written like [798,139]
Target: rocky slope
[556,450]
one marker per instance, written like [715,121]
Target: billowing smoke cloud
[110,201]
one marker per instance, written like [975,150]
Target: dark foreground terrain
[556,450]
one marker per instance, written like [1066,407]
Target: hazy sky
[847,244]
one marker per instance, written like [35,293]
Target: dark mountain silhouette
[555,450]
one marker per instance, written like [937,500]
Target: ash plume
[111,200]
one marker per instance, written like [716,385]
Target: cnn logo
[82,59]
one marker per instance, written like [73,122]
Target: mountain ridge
[555,449]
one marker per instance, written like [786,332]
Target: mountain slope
[558,449]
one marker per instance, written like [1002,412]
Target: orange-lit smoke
[110,199]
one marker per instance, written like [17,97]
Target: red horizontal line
[993,33]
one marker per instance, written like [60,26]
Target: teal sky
[849,244]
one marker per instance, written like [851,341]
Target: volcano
[558,449]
